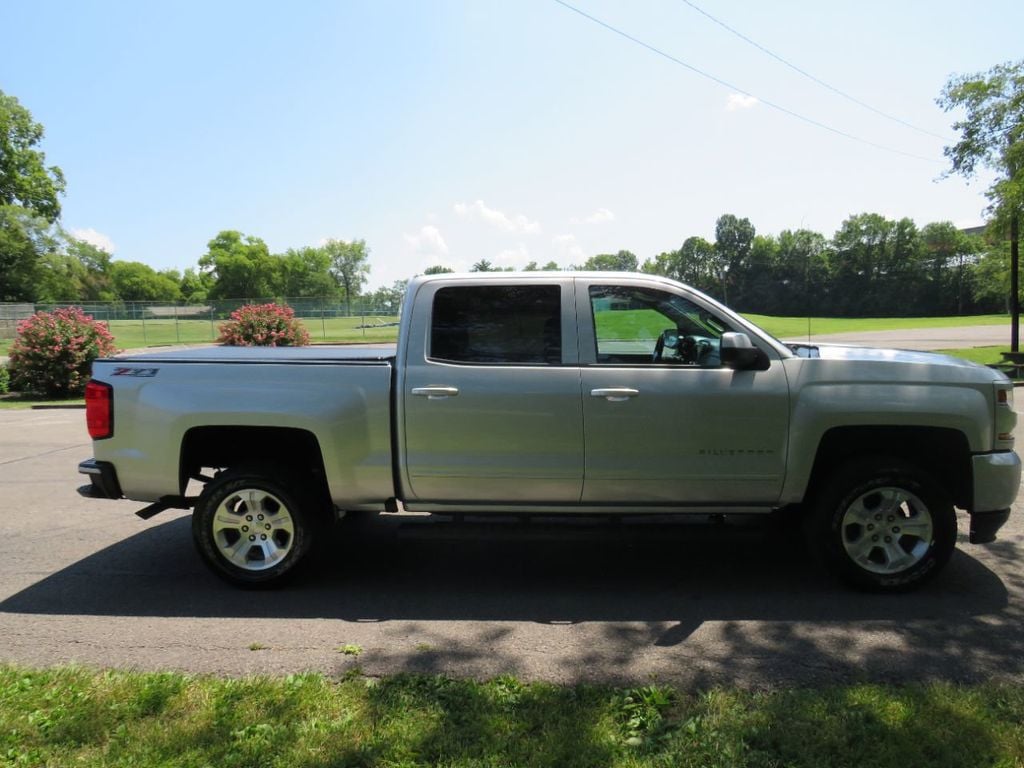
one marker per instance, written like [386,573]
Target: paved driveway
[86,581]
[923,338]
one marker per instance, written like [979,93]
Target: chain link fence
[153,323]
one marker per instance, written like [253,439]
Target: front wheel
[250,528]
[883,525]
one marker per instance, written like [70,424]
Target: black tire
[251,528]
[882,524]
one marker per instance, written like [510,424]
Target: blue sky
[448,132]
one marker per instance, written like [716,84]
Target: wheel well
[293,451]
[942,453]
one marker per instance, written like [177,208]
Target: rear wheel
[251,528]
[883,525]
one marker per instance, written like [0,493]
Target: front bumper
[103,483]
[996,484]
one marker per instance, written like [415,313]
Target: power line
[730,86]
[809,76]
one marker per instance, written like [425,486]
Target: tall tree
[437,269]
[992,137]
[135,281]
[306,272]
[25,179]
[350,265]
[25,239]
[623,261]
[734,237]
[240,266]
[28,204]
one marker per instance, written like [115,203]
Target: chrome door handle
[435,393]
[615,394]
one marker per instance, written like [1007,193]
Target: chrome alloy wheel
[253,529]
[887,530]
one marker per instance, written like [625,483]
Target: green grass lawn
[80,717]
[796,327]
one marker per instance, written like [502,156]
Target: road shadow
[648,585]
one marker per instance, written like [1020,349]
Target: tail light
[99,410]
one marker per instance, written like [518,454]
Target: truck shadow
[632,588]
[559,571]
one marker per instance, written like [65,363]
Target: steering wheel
[669,339]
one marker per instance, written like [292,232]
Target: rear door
[491,401]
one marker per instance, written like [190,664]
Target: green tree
[25,239]
[801,273]
[992,137]
[734,238]
[946,255]
[437,269]
[695,263]
[135,281]
[240,267]
[195,286]
[350,265]
[25,179]
[386,300]
[876,267]
[307,272]
[94,282]
[483,266]
[623,261]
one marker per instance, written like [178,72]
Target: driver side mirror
[740,354]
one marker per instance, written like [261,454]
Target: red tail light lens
[99,410]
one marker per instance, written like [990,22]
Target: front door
[665,423]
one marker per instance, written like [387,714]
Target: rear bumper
[103,483]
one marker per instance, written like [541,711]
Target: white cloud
[600,216]
[568,249]
[93,237]
[513,257]
[740,101]
[517,223]
[428,241]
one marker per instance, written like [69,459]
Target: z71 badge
[141,373]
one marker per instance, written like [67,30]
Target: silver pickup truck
[544,393]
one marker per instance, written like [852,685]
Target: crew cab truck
[547,393]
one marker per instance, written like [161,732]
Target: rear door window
[497,325]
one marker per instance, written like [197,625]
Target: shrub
[53,352]
[263,325]
[5,379]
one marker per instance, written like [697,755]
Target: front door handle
[615,394]
[435,393]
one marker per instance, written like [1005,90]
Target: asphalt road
[86,581]
[923,338]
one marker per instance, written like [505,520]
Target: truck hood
[902,364]
[847,352]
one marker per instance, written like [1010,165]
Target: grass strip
[797,327]
[82,717]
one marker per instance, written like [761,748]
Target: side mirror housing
[740,354]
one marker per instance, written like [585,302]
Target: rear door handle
[435,393]
[615,394]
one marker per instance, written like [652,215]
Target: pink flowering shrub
[53,352]
[263,325]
